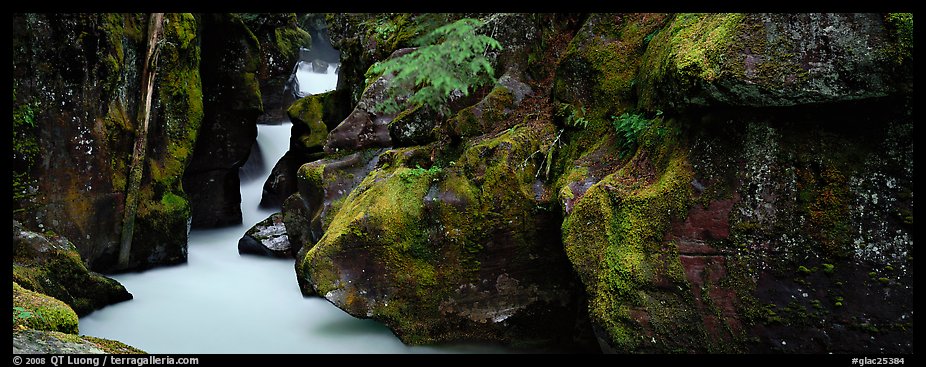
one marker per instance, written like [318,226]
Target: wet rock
[365,127]
[267,237]
[51,265]
[296,219]
[413,126]
[311,116]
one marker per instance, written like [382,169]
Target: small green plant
[21,316]
[414,173]
[629,128]
[572,116]
[449,58]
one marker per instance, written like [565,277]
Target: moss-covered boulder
[75,83]
[35,310]
[453,250]
[51,265]
[55,342]
[776,59]
[267,238]
[323,185]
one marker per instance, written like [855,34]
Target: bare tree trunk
[141,139]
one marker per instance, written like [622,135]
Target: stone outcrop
[75,83]
[230,64]
[280,39]
[719,183]
[51,265]
[733,220]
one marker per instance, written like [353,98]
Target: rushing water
[220,302]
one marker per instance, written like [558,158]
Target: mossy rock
[37,311]
[50,264]
[112,346]
[54,342]
[599,70]
[461,247]
[771,60]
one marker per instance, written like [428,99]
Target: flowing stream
[221,302]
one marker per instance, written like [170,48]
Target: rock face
[737,226]
[280,39]
[230,65]
[776,59]
[75,82]
[267,237]
[718,183]
[51,265]
[420,249]
[312,117]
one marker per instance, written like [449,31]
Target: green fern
[629,127]
[449,58]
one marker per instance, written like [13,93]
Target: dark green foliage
[629,127]
[449,58]
[572,116]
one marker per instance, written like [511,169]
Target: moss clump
[599,69]
[40,312]
[614,237]
[483,117]
[691,48]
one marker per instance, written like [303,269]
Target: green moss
[112,346]
[424,227]
[40,312]
[288,40]
[483,117]
[600,67]
[901,27]
[614,238]
[691,47]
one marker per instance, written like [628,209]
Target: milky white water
[221,302]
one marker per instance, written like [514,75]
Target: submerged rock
[267,237]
